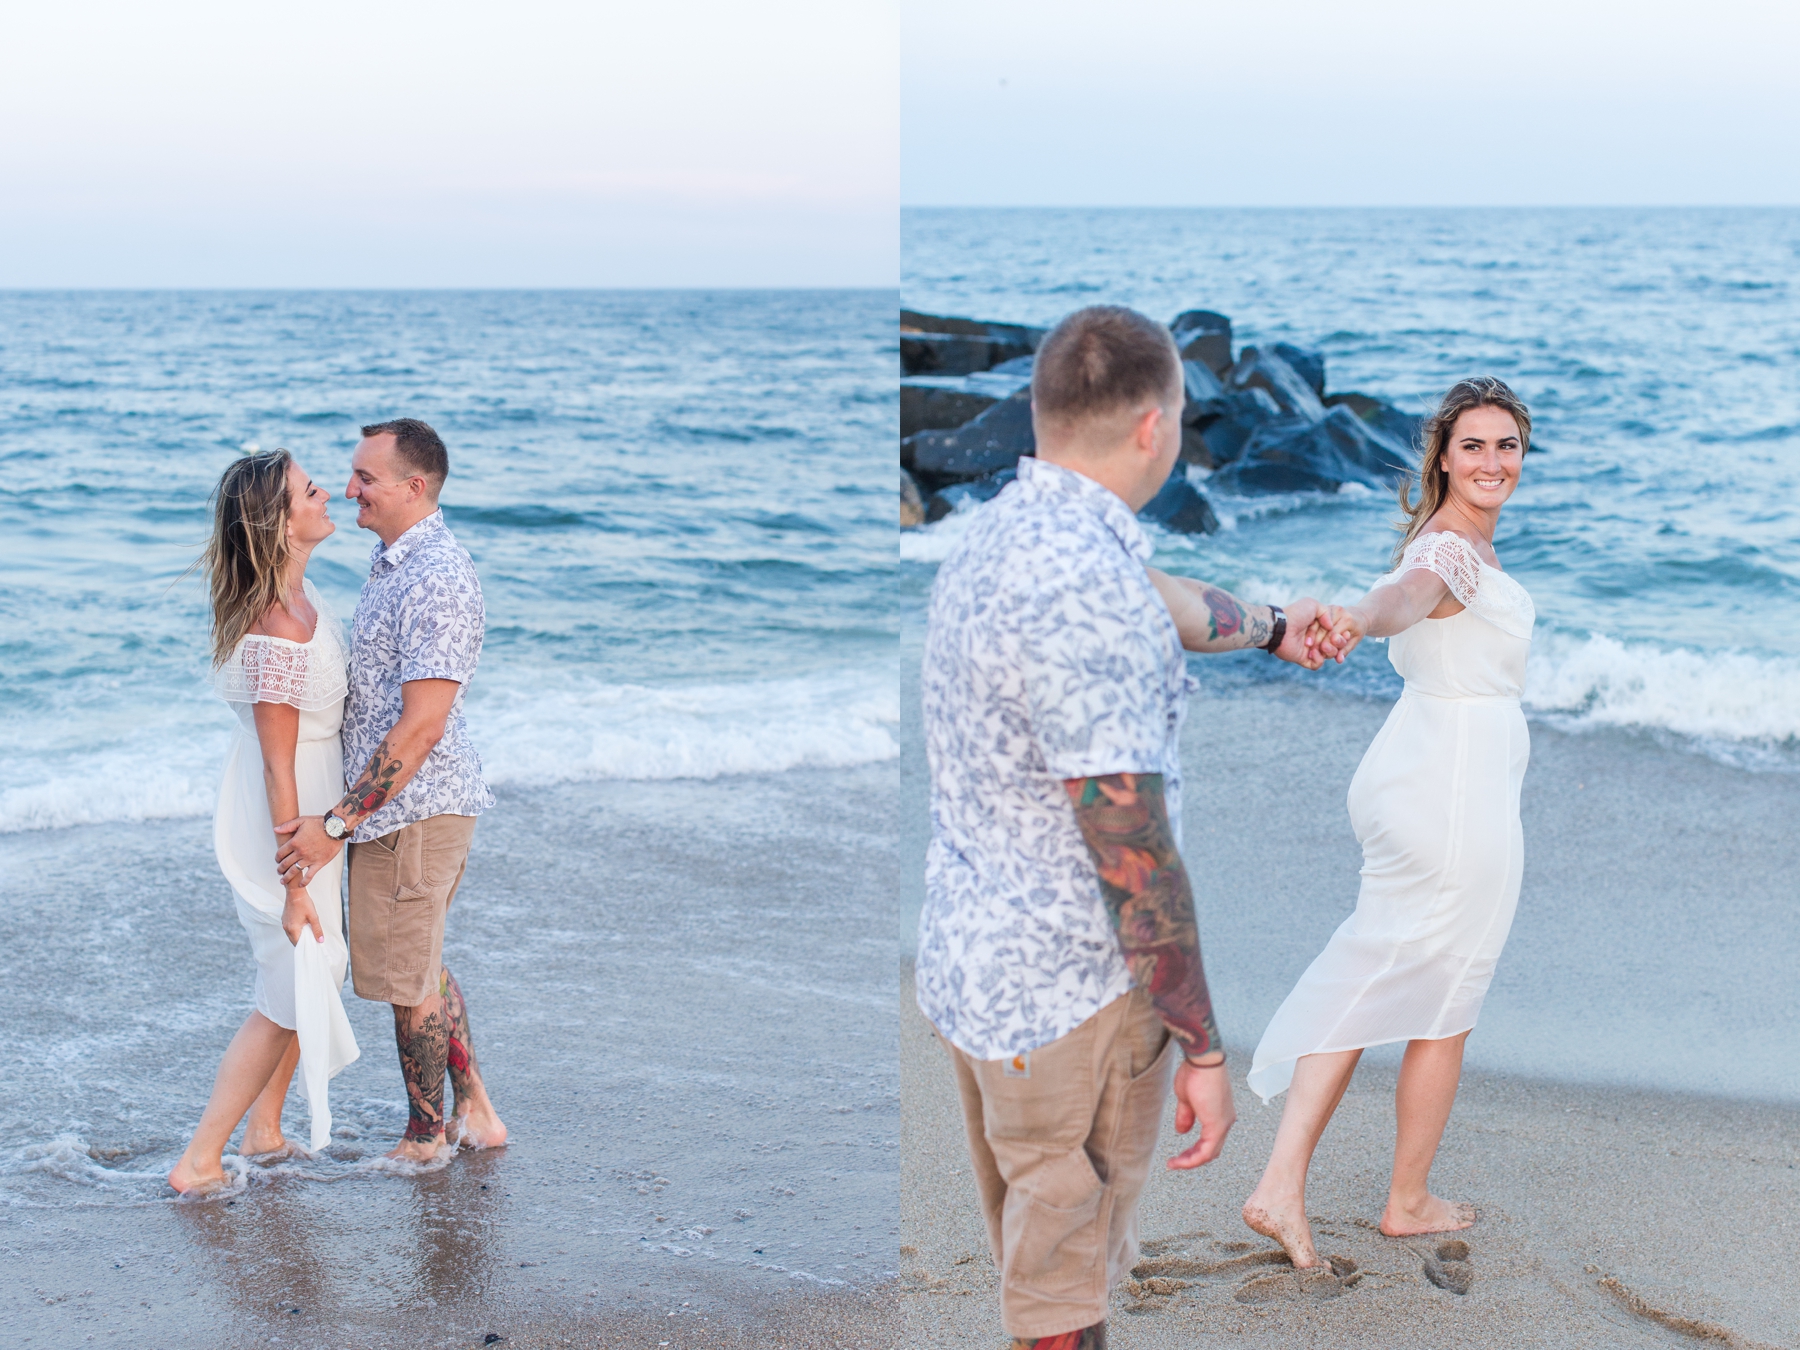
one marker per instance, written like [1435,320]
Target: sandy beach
[1629,1121]
[682,1011]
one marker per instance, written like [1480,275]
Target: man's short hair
[1103,359]
[420,448]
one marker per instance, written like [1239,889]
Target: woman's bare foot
[1432,1215]
[477,1127]
[417,1150]
[281,1152]
[1285,1221]
[190,1180]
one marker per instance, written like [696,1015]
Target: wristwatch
[1280,629]
[335,828]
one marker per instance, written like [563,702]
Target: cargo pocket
[413,924]
[1053,1232]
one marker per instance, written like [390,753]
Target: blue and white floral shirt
[420,618]
[1048,655]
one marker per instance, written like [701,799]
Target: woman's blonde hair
[246,560]
[1480,391]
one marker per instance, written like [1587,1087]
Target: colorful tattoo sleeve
[1125,822]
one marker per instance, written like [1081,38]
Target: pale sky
[1349,102]
[374,143]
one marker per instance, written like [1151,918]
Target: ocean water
[1659,530]
[673,499]
[681,509]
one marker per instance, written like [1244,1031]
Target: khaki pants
[1061,1157]
[401,886]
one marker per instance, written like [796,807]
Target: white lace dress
[297,984]
[1435,806]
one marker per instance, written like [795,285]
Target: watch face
[334,827]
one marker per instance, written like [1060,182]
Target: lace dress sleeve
[1450,557]
[270,670]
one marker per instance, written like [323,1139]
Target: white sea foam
[531,727]
[1583,682]
[570,732]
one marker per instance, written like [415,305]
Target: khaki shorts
[1061,1157]
[401,886]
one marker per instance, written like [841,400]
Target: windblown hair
[246,560]
[1100,360]
[1479,391]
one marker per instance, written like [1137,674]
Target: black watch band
[1280,630]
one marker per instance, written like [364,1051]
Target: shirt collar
[1048,481]
[395,553]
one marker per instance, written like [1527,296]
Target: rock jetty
[1260,420]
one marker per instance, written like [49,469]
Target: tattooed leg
[476,1124]
[423,1035]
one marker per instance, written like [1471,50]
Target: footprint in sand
[1448,1267]
[1313,1284]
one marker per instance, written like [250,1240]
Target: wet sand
[1629,1123]
[682,1003]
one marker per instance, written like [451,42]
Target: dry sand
[1619,1206]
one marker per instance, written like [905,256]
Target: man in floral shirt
[415,785]
[1059,956]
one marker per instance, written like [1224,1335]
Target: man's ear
[1145,431]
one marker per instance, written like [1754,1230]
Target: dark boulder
[993,441]
[931,405]
[912,321]
[1292,455]
[912,502]
[932,344]
[1204,337]
[1384,417]
[952,354]
[1308,364]
[1256,369]
[1205,403]
[943,503]
[1224,436]
[1180,506]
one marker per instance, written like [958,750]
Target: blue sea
[678,504]
[1659,528]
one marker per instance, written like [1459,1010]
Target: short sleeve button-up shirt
[1049,655]
[420,617]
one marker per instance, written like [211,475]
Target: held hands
[1300,644]
[1202,1095]
[1338,629]
[308,848]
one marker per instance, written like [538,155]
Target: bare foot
[1431,1216]
[1285,1221]
[417,1150]
[477,1127]
[189,1180]
[282,1150]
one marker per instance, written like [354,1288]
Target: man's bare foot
[417,1150]
[1431,1216]
[189,1180]
[1285,1221]
[477,1127]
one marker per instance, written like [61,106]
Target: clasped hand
[308,848]
[1320,633]
[1335,631]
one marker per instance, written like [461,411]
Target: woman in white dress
[1435,805]
[279,660]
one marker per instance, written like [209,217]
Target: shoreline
[681,1009]
[1677,1190]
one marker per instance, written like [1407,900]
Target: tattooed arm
[1210,619]
[425,707]
[1125,822]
